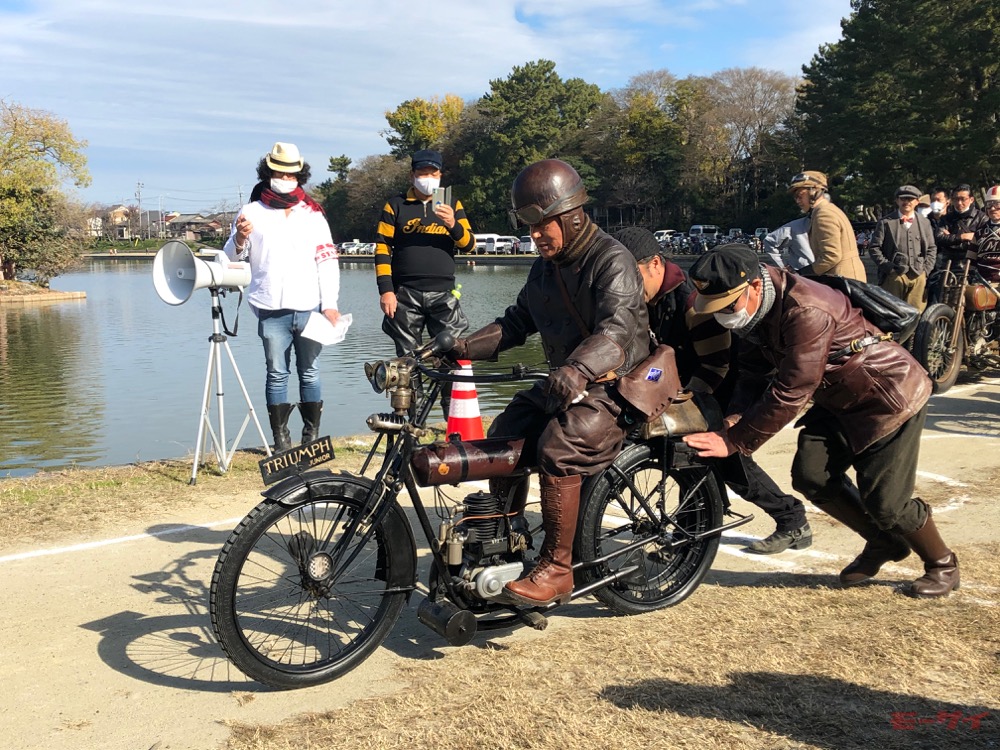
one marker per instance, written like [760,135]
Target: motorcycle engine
[484,547]
[981,329]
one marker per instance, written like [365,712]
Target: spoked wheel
[931,346]
[630,501]
[289,609]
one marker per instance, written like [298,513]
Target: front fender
[311,486]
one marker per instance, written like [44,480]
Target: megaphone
[178,271]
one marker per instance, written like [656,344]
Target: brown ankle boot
[881,546]
[941,575]
[552,578]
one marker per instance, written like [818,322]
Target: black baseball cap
[723,274]
[427,158]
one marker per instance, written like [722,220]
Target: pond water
[119,377]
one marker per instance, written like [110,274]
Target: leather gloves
[483,344]
[562,387]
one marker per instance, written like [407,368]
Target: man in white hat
[294,272]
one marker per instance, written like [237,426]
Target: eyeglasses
[730,309]
[990,205]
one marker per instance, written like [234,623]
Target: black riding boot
[278,414]
[311,412]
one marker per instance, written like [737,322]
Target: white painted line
[230,522]
[941,478]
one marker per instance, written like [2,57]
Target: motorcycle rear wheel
[278,625]
[931,343]
[613,517]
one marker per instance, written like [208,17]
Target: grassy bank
[51,505]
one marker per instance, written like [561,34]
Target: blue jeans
[280,330]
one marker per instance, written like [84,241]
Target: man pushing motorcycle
[583,296]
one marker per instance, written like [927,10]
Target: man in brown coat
[831,235]
[804,341]
[584,298]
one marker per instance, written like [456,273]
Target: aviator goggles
[533,214]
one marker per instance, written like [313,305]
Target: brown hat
[809,178]
[924,200]
[723,274]
[907,191]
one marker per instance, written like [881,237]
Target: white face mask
[283,187]
[937,206]
[924,211]
[734,320]
[427,185]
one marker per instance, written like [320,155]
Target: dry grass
[51,505]
[789,665]
[11,288]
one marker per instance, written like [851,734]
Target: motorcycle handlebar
[518,372]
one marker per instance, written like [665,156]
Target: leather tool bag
[653,384]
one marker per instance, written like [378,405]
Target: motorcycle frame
[395,474]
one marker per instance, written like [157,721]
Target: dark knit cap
[640,242]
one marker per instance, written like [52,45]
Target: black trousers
[746,478]
[415,311]
[886,470]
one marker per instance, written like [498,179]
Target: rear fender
[315,485]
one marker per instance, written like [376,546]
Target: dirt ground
[107,640]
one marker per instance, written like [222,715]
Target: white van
[481,240]
[704,232]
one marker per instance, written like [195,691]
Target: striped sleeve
[711,343]
[466,240]
[385,234]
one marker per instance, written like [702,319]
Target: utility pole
[240,189]
[138,197]
[159,224]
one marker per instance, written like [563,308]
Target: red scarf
[272,199]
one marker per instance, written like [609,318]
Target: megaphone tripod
[218,342]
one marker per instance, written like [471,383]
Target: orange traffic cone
[463,414]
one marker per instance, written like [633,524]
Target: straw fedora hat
[284,157]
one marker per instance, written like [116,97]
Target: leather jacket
[783,365]
[605,286]
[950,245]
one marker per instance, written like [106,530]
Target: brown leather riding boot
[552,578]
[881,546]
[941,575]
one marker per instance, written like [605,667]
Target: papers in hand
[318,328]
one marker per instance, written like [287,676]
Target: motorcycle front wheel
[283,612]
[639,497]
[931,346]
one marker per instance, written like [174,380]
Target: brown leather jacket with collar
[870,393]
[605,287]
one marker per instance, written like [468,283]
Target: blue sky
[186,96]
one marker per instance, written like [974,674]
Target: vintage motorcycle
[961,329]
[311,582]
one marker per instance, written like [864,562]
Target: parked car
[735,233]
[663,235]
[482,239]
[528,245]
